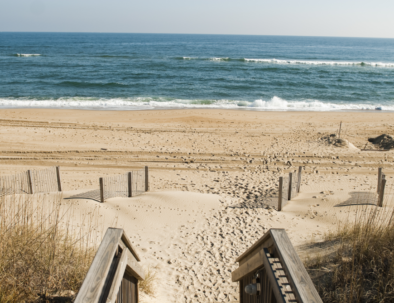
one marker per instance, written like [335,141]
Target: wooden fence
[270,271]
[381,187]
[31,182]
[370,197]
[130,184]
[289,188]
[114,273]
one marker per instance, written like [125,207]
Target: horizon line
[201,34]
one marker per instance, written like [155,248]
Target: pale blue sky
[349,18]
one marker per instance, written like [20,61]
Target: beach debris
[383,141]
[341,143]
[334,140]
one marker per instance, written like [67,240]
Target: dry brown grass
[147,286]
[362,267]
[41,252]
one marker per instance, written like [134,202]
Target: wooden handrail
[273,254]
[115,256]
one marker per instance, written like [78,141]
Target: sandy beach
[210,173]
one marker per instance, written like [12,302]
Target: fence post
[146,178]
[290,186]
[280,194]
[59,183]
[101,190]
[339,133]
[381,192]
[29,180]
[379,179]
[129,184]
[299,179]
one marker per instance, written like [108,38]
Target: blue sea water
[147,71]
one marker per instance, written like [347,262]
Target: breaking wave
[27,55]
[140,103]
[310,62]
[294,62]
[220,59]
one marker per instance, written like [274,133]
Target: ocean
[151,71]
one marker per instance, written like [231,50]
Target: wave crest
[139,103]
[220,59]
[310,62]
[27,55]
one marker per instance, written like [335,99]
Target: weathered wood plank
[133,267]
[129,184]
[282,279]
[379,179]
[126,241]
[381,191]
[253,260]
[257,244]
[101,190]
[113,292]
[94,281]
[290,186]
[30,182]
[272,278]
[299,179]
[299,279]
[280,196]
[268,243]
[59,182]
[246,268]
[146,178]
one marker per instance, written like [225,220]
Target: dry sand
[210,173]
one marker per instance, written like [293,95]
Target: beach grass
[42,255]
[361,268]
[148,285]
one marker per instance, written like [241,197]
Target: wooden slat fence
[44,181]
[14,184]
[114,273]
[371,197]
[130,184]
[270,271]
[289,188]
[31,182]
[290,185]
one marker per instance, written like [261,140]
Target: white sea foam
[274,103]
[311,62]
[277,103]
[28,55]
[219,59]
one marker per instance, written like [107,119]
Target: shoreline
[158,108]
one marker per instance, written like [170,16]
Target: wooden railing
[114,273]
[271,271]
